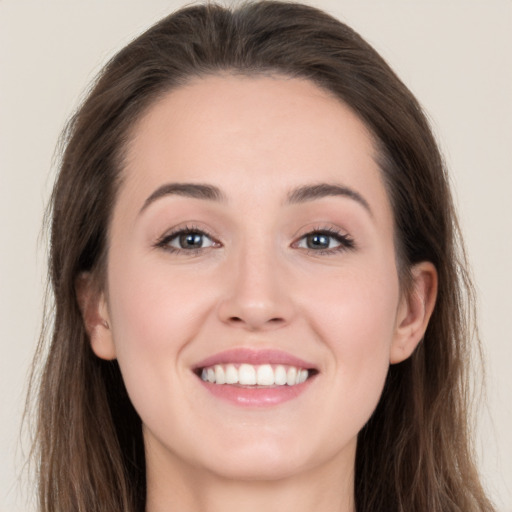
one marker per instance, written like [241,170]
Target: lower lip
[250,396]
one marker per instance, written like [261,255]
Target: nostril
[238,320]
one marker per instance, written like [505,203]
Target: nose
[256,295]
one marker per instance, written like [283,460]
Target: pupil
[193,240]
[318,241]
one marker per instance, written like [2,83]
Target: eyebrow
[321,190]
[298,195]
[194,190]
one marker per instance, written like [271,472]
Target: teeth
[247,375]
[291,377]
[265,375]
[220,377]
[252,375]
[280,375]
[231,374]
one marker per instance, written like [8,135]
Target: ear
[414,311]
[93,307]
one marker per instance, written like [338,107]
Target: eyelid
[346,242]
[163,241]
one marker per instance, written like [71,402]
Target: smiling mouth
[263,375]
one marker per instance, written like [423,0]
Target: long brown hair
[414,453]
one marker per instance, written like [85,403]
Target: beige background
[454,55]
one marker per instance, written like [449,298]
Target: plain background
[455,55]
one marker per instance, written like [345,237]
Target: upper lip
[255,357]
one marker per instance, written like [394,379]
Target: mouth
[256,376]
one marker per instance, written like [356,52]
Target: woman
[258,287]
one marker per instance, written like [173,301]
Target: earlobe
[414,311]
[93,307]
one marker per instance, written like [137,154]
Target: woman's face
[252,239]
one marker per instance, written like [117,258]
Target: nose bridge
[256,297]
[258,272]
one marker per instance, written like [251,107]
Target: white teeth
[247,375]
[291,376]
[231,374]
[219,374]
[280,375]
[265,375]
[251,375]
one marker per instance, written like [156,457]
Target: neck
[329,488]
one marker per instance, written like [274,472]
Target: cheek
[356,318]
[151,307]
[356,308]
[154,314]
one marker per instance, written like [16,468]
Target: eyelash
[165,240]
[345,241]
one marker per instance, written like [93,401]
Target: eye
[190,240]
[186,239]
[325,241]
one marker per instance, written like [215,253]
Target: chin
[263,466]
[264,460]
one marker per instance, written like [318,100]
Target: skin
[254,284]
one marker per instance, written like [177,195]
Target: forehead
[244,133]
